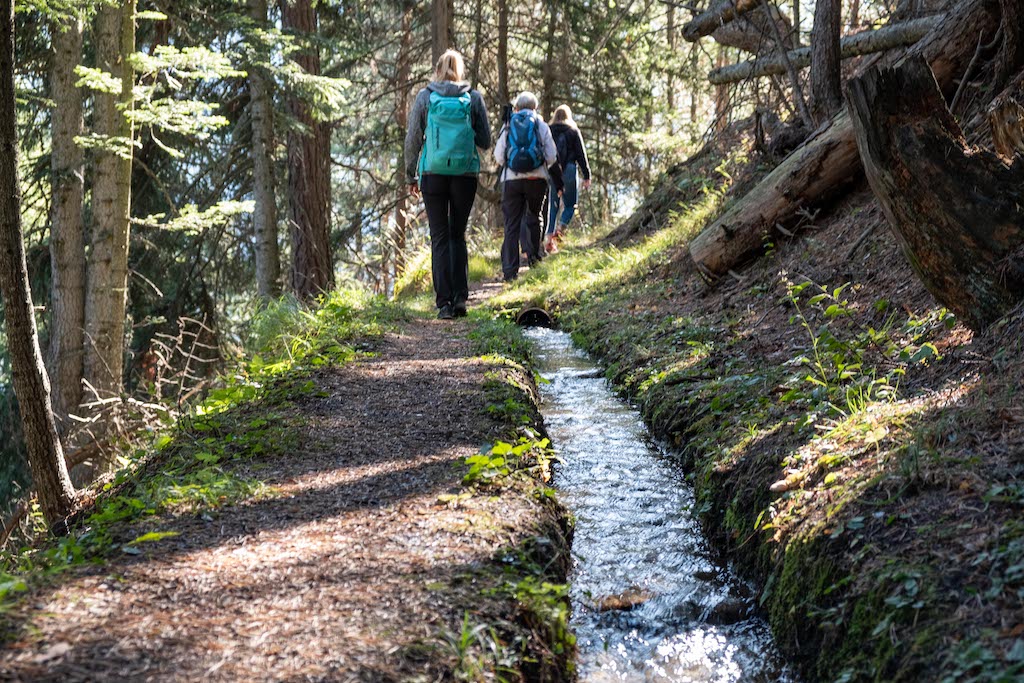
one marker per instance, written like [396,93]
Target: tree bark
[309,172]
[754,33]
[826,98]
[67,228]
[261,111]
[854,15]
[404,72]
[866,42]
[827,162]
[1006,119]
[46,457]
[721,96]
[955,211]
[478,43]
[442,34]
[670,86]
[1011,52]
[111,201]
[796,23]
[719,14]
[547,91]
[504,96]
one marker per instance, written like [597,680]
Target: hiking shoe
[459,310]
[445,312]
[551,244]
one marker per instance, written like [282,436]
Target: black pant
[449,200]
[521,200]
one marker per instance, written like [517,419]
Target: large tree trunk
[478,43]
[863,43]
[111,201]
[722,105]
[670,86]
[796,23]
[504,96]
[828,162]
[826,98]
[309,173]
[547,91]
[67,228]
[442,34]
[403,74]
[1011,52]
[261,111]
[955,211]
[46,457]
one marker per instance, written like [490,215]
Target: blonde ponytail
[450,67]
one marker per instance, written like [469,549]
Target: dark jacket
[418,122]
[570,147]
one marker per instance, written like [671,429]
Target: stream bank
[854,451]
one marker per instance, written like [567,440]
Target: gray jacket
[418,122]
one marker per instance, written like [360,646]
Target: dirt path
[352,571]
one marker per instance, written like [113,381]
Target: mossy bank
[853,449]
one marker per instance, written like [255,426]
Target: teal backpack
[450,145]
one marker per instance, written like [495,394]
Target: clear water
[649,602]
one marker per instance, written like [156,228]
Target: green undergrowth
[539,646]
[821,451]
[193,465]
[484,263]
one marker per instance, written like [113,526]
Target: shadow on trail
[337,530]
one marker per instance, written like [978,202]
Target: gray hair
[526,100]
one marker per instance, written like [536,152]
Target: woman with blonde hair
[447,124]
[572,157]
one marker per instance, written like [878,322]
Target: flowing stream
[649,601]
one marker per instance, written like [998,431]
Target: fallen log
[863,43]
[755,32]
[828,160]
[720,14]
[755,36]
[956,212]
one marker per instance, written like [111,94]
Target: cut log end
[954,210]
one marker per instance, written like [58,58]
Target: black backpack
[562,145]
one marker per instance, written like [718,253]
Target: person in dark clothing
[572,158]
[522,193]
[447,165]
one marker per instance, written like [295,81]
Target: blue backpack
[450,143]
[524,153]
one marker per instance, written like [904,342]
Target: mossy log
[828,161]
[957,213]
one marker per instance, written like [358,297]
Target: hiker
[447,123]
[529,159]
[572,157]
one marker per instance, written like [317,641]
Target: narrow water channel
[649,602]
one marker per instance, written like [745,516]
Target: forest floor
[362,556]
